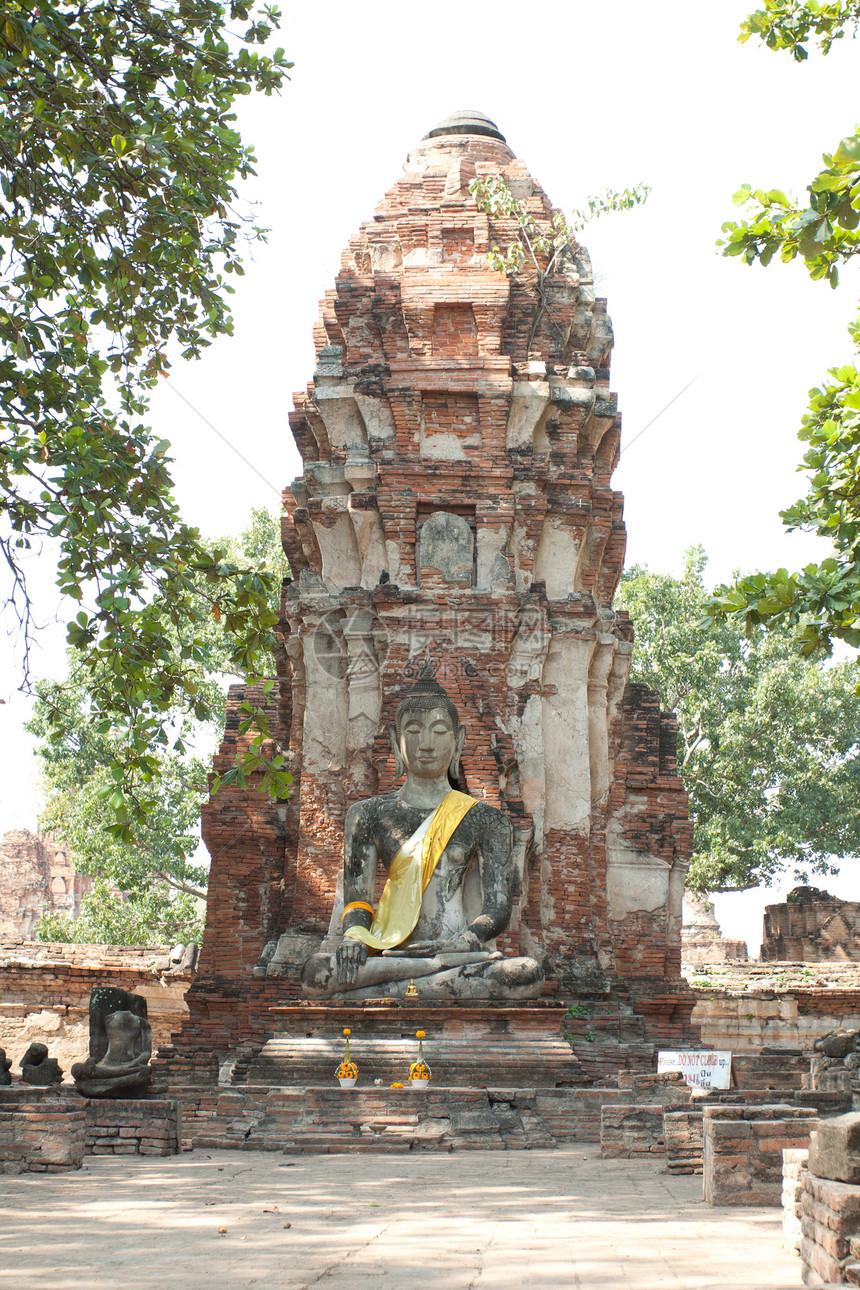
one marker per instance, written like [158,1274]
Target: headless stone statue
[5,1063]
[448,894]
[120,1046]
[38,1069]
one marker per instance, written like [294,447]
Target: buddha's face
[428,741]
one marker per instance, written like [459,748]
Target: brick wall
[747,1007]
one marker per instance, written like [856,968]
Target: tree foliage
[769,741]
[789,24]
[118,232]
[159,874]
[822,601]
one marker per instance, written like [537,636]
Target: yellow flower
[397,1086]
[419,1034]
[347,1031]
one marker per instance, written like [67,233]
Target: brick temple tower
[458,440]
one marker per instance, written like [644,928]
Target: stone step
[327,1119]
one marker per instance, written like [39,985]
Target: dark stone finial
[5,1063]
[467,121]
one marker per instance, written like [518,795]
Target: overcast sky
[589,96]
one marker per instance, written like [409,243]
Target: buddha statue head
[426,734]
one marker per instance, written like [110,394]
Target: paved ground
[489,1220]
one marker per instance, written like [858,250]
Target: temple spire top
[467,121]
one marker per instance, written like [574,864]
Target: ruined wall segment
[812,926]
[458,443]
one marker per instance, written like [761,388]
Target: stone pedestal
[40,1131]
[466,1045]
[133,1127]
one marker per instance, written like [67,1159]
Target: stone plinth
[330,1119]
[40,1132]
[742,1155]
[466,1045]
[133,1127]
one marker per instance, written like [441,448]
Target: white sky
[589,96]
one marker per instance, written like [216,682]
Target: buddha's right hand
[351,954]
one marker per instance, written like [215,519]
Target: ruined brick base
[830,1225]
[133,1126]
[743,1149]
[41,1131]
[51,1130]
[631,1131]
[683,1127]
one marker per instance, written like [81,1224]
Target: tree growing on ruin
[768,739]
[120,229]
[529,249]
[821,602]
[160,873]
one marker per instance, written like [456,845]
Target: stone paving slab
[518,1220]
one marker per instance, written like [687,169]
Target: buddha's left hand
[465,943]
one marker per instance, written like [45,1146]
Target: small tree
[769,741]
[119,232]
[159,874]
[821,602]
[532,249]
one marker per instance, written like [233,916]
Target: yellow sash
[409,873]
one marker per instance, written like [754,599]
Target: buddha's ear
[454,769]
[399,768]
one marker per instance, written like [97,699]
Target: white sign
[702,1070]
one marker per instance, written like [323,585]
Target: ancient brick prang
[458,440]
[37,876]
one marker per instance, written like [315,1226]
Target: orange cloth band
[356,904]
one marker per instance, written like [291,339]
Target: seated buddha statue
[122,1071]
[447,858]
